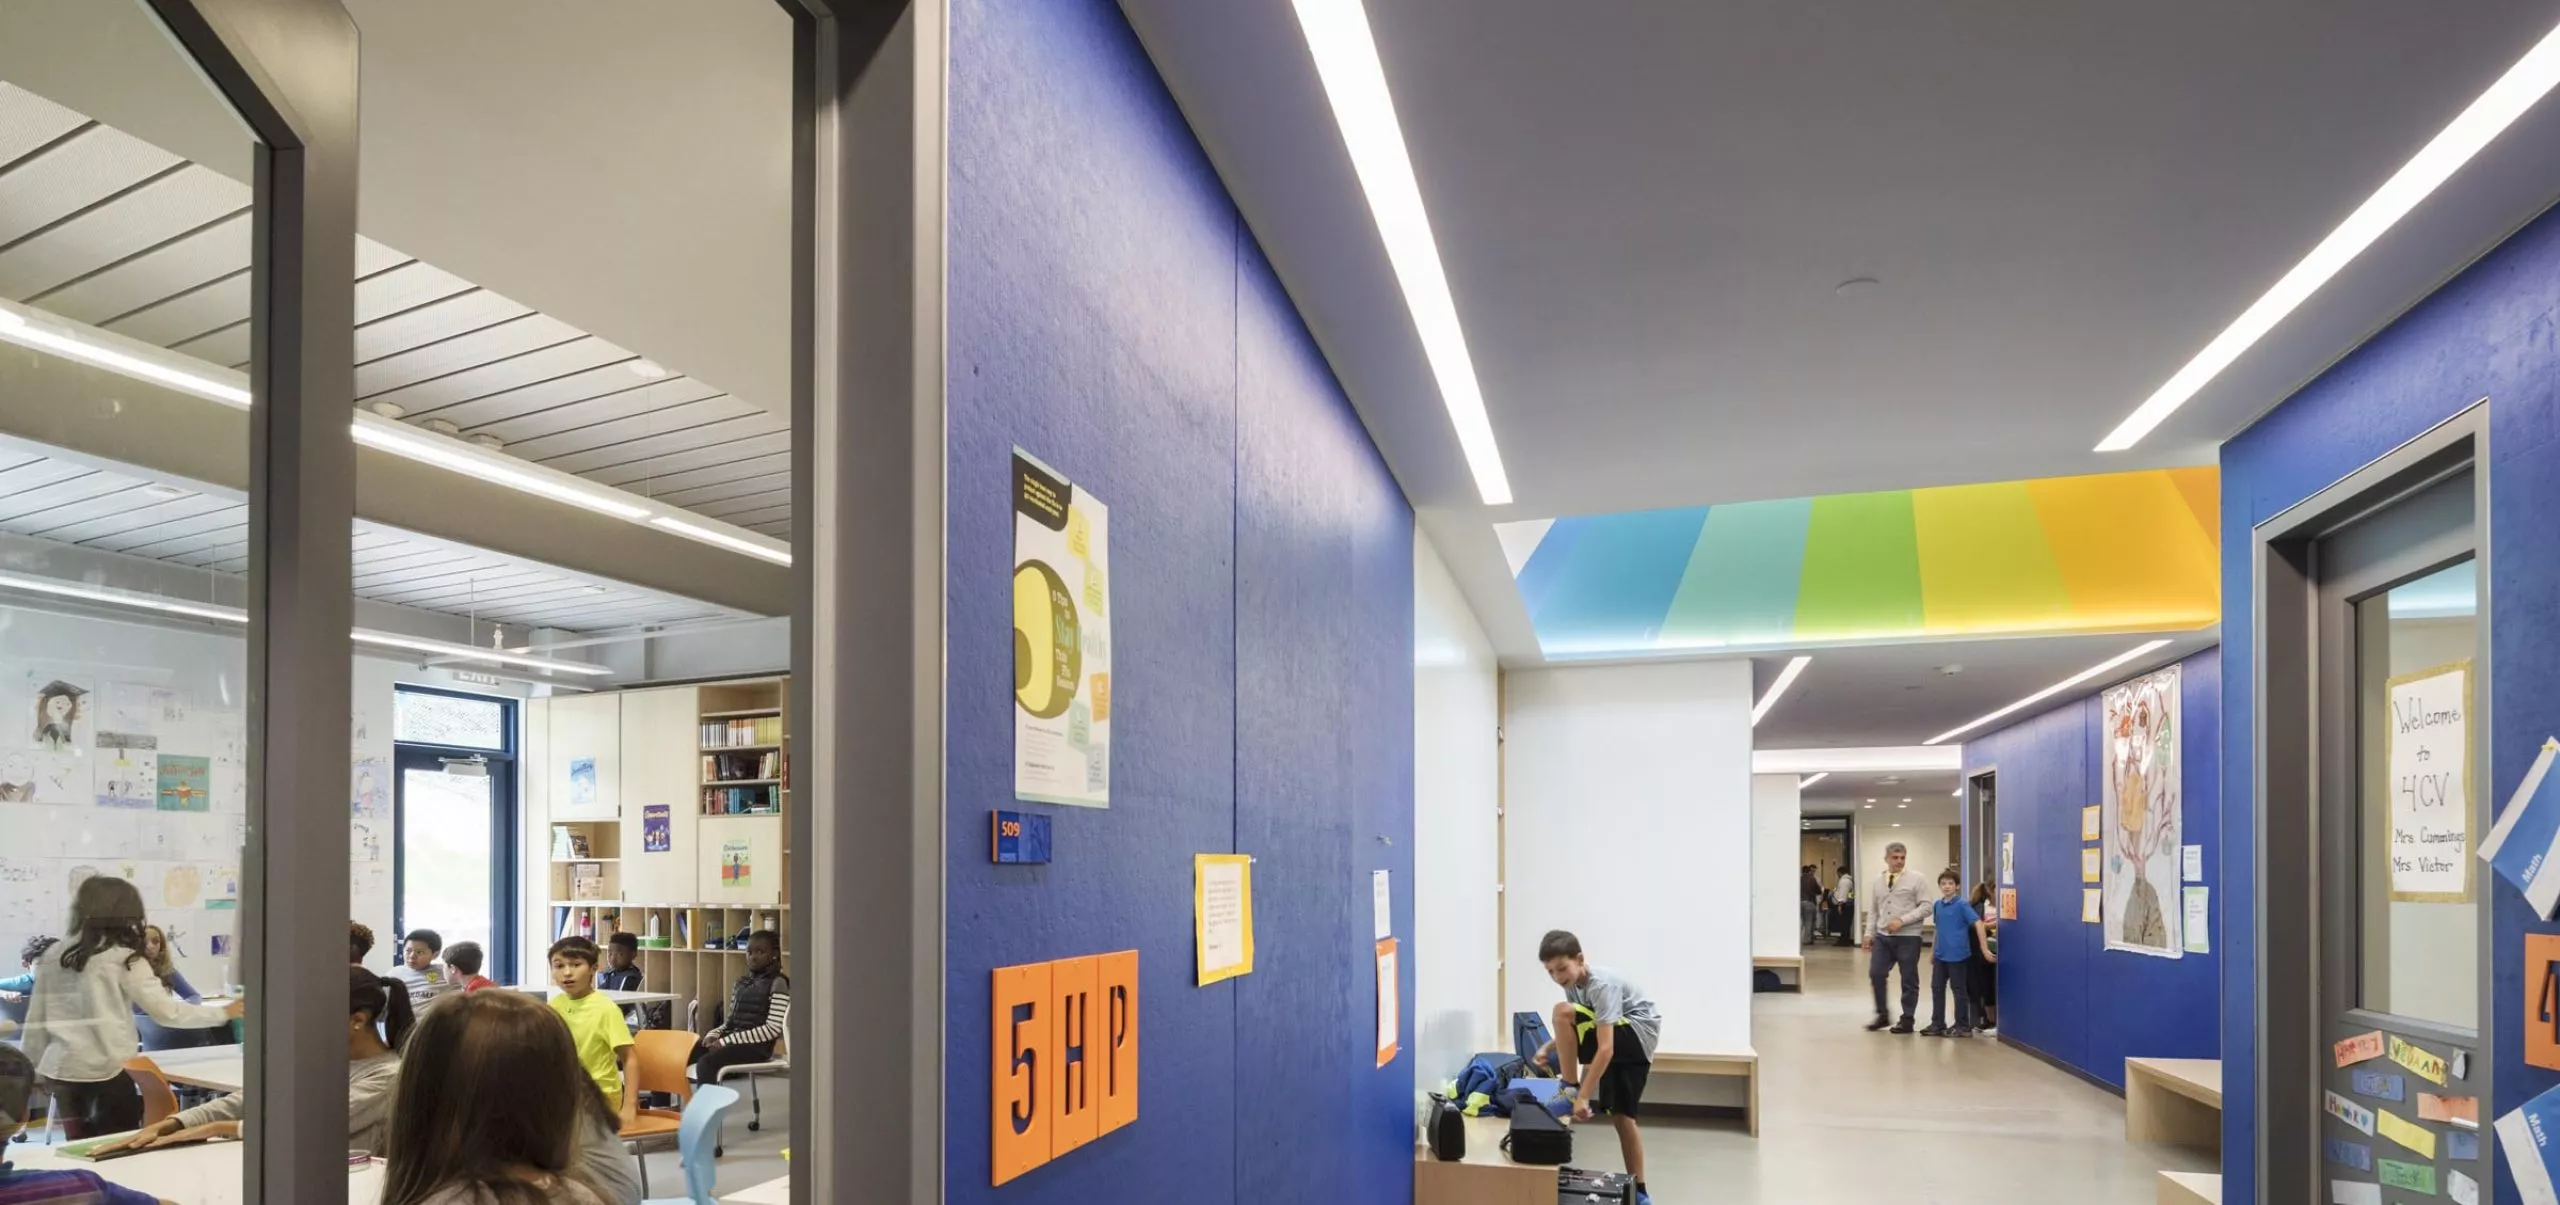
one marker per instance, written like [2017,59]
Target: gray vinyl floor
[1858,1118]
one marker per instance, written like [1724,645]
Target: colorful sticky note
[2089,866]
[2359,1048]
[2416,1177]
[2426,1066]
[2380,1085]
[2462,1189]
[2405,1132]
[2458,1145]
[2089,909]
[2463,1111]
[2349,1112]
[2348,1154]
[2089,823]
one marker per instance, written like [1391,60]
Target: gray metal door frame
[2299,757]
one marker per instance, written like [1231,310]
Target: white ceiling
[1644,211]
[1900,694]
[70,503]
[594,184]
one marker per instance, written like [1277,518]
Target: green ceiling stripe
[1861,567]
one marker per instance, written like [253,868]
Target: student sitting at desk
[463,958]
[373,1070]
[80,1016]
[495,1110]
[621,973]
[418,968]
[17,1078]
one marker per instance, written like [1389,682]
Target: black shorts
[1621,1090]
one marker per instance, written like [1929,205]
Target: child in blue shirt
[1958,926]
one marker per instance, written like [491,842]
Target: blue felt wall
[1110,314]
[2062,992]
[2487,333]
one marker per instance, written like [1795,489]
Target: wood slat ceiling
[51,499]
[102,228]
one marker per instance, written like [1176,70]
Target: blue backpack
[1528,1035]
[1485,1086]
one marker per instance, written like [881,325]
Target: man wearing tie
[1890,924]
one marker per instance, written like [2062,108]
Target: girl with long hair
[80,1013]
[378,1024]
[155,950]
[493,1108]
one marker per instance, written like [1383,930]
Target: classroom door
[454,849]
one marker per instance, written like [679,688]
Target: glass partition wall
[515,472]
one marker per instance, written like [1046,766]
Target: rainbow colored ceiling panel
[2116,552]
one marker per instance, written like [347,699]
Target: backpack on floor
[1528,1035]
[1536,1135]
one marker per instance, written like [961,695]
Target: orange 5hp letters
[1065,1057]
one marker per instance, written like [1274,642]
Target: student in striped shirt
[759,1008]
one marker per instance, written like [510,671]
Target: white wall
[1629,801]
[1457,847]
[1777,858]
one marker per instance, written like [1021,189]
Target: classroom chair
[779,1064]
[657,1062]
[696,1145]
[159,1101]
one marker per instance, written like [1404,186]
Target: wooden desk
[216,1068]
[1486,1176]
[2175,1102]
[207,1173]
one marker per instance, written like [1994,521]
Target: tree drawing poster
[1061,639]
[2141,817]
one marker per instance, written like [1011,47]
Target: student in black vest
[759,1006]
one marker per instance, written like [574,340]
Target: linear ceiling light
[2496,109]
[448,453]
[1786,678]
[1810,781]
[139,361]
[218,613]
[2055,689]
[770,549]
[1861,759]
[1356,84]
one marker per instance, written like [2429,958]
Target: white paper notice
[1381,907]
[2428,742]
[2193,867]
[2463,1189]
[2199,911]
[1388,1004]
[2354,1192]
[1223,913]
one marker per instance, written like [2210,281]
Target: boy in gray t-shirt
[1614,1028]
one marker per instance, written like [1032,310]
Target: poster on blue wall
[1061,639]
[2527,1136]
[2523,844]
[2142,815]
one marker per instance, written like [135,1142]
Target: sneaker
[1644,1198]
[1934,1031]
[1904,1027]
[1962,1032]
[1879,1023]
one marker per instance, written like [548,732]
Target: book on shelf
[586,881]
[734,733]
[730,767]
[758,800]
[560,842]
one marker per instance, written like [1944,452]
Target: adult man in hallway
[1891,923]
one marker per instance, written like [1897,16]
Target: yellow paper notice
[2424,1065]
[2405,1132]
[1222,915]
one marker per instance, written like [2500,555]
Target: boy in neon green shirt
[595,1024]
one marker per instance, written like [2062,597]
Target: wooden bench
[1790,969]
[2175,1102]
[1744,1065]
[1485,1176]
[2190,1188]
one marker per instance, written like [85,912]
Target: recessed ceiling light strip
[110,596]
[1810,781]
[2055,689]
[2487,117]
[1355,83]
[1786,678]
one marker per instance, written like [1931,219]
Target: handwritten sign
[2405,1132]
[2427,1066]
[2416,1177]
[2349,1112]
[2359,1048]
[2463,1111]
[2381,1086]
[2427,746]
